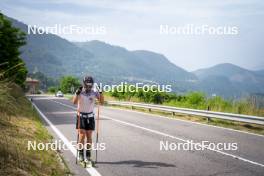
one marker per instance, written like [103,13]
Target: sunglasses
[88,83]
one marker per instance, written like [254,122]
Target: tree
[52,89]
[67,82]
[13,67]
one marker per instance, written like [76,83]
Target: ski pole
[76,160]
[78,126]
[97,124]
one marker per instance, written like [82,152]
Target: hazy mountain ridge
[55,57]
[51,54]
[259,72]
[233,72]
[229,79]
[140,64]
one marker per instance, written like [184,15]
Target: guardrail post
[173,113]
[208,119]
[149,109]
[132,107]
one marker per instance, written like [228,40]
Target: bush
[67,82]
[219,104]
[52,89]
[196,100]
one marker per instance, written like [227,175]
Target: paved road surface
[133,139]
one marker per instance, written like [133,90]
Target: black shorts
[86,123]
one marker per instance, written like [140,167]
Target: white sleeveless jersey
[86,101]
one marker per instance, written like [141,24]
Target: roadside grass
[68,96]
[19,124]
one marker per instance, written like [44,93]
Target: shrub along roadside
[194,100]
[19,123]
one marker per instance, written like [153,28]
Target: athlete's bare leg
[89,142]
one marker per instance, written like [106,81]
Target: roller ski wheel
[89,163]
[82,163]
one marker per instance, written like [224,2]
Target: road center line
[170,136]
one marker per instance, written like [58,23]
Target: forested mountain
[56,57]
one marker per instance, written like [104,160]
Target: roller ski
[85,163]
[81,160]
[89,163]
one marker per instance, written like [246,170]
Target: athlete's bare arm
[76,96]
[101,98]
[75,99]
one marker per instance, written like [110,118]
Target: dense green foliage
[67,83]
[195,100]
[12,67]
[52,89]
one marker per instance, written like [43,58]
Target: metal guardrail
[203,113]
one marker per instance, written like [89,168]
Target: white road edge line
[171,136]
[92,171]
[197,123]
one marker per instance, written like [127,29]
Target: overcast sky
[135,25]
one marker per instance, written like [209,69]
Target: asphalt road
[132,141]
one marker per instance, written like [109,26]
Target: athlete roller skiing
[85,98]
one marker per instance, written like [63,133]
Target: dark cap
[88,80]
